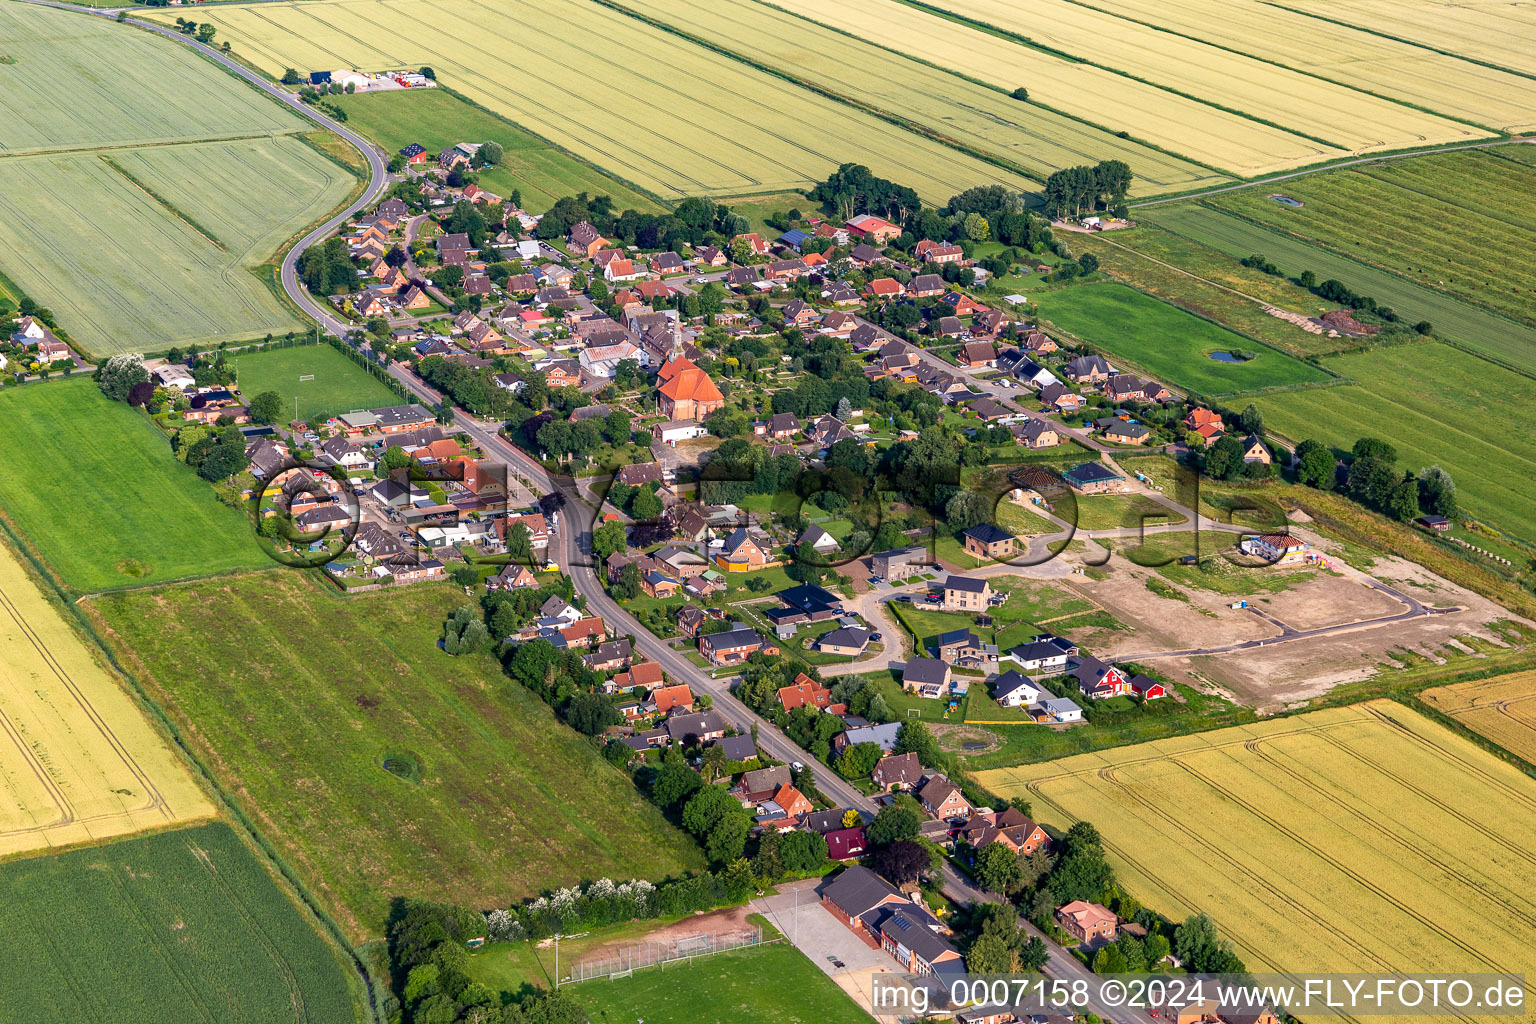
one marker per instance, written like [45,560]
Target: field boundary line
[164,203]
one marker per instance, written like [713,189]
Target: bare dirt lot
[1327,600]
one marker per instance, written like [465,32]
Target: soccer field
[339,384]
[298,695]
[170,929]
[1172,345]
[91,765]
[673,117]
[1502,708]
[1363,838]
[96,490]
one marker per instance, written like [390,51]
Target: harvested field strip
[1435,404]
[982,118]
[1386,67]
[1366,836]
[79,759]
[1496,34]
[1155,115]
[1308,106]
[1476,328]
[83,81]
[179,927]
[670,116]
[1503,709]
[1382,224]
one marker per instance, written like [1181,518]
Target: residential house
[883,288]
[804,691]
[760,784]
[876,229]
[899,564]
[882,736]
[741,553]
[927,677]
[695,728]
[1087,922]
[1118,431]
[1011,827]
[965,593]
[1276,548]
[961,305]
[1058,398]
[1255,450]
[1039,343]
[1098,680]
[959,646]
[897,772]
[818,540]
[978,354]
[1091,369]
[1093,478]
[990,542]
[346,454]
[941,798]
[1014,690]
[926,286]
[1036,433]
[1060,709]
[734,646]
[929,251]
[848,641]
[845,843]
[584,239]
[659,585]
[1204,422]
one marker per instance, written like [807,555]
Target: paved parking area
[798,913]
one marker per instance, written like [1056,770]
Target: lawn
[1203,227]
[1438,406]
[437,119]
[1501,709]
[774,982]
[1172,345]
[340,385]
[1382,222]
[1360,838]
[108,770]
[297,696]
[176,927]
[1118,511]
[100,496]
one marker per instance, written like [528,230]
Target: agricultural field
[340,385]
[298,697]
[667,115]
[980,117]
[1361,838]
[1312,107]
[1172,345]
[1188,127]
[152,91]
[1438,406]
[182,926]
[134,514]
[1502,709]
[154,248]
[1358,214]
[1503,35]
[1472,326]
[80,760]
[437,119]
[1350,56]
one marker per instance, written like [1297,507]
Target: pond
[1287,201]
[1228,357]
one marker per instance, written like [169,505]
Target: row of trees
[1374,479]
[1085,188]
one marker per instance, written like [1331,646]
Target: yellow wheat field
[1502,33]
[1387,67]
[78,760]
[1344,117]
[976,116]
[1163,118]
[1502,708]
[668,115]
[1355,839]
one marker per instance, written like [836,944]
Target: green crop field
[1169,343]
[772,982]
[1439,406]
[177,927]
[297,695]
[1470,325]
[95,489]
[671,116]
[81,81]
[340,385]
[980,117]
[1434,239]
[438,119]
[1363,838]
[149,249]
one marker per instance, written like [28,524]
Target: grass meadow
[340,385]
[1501,709]
[94,766]
[149,249]
[670,116]
[1466,253]
[437,119]
[1361,838]
[97,493]
[1202,227]
[1170,344]
[176,927]
[297,695]
[1437,405]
